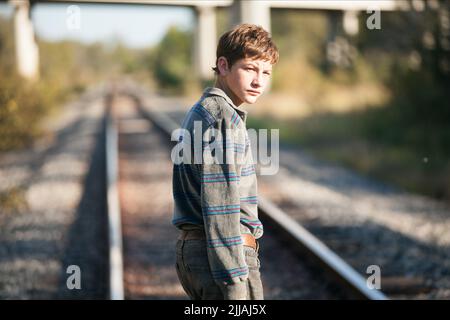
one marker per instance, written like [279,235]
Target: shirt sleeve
[221,214]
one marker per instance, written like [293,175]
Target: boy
[214,186]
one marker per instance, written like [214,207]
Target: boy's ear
[222,65]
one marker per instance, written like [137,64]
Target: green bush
[173,64]
[21,108]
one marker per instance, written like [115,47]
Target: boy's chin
[250,99]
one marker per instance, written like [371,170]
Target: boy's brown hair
[246,41]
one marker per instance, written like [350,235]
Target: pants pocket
[184,278]
[251,258]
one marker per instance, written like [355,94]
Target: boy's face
[247,79]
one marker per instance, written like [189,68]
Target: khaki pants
[195,275]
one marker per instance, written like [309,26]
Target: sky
[137,26]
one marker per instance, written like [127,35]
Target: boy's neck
[223,86]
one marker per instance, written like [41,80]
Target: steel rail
[116,280]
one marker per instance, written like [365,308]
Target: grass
[13,199]
[408,157]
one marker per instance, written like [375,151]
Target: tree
[173,59]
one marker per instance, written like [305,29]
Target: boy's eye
[267,72]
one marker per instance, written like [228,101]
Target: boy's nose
[257,80]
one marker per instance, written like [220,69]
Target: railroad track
[139,187]
[58,232]
[141,250]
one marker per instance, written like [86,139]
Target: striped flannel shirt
[219,198]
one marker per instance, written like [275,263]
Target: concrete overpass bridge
[205,35]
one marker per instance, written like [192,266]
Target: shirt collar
[219,92]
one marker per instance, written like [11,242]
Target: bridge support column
[205,42]
[254,12]
[350,22]
[27,53]
[251,11]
